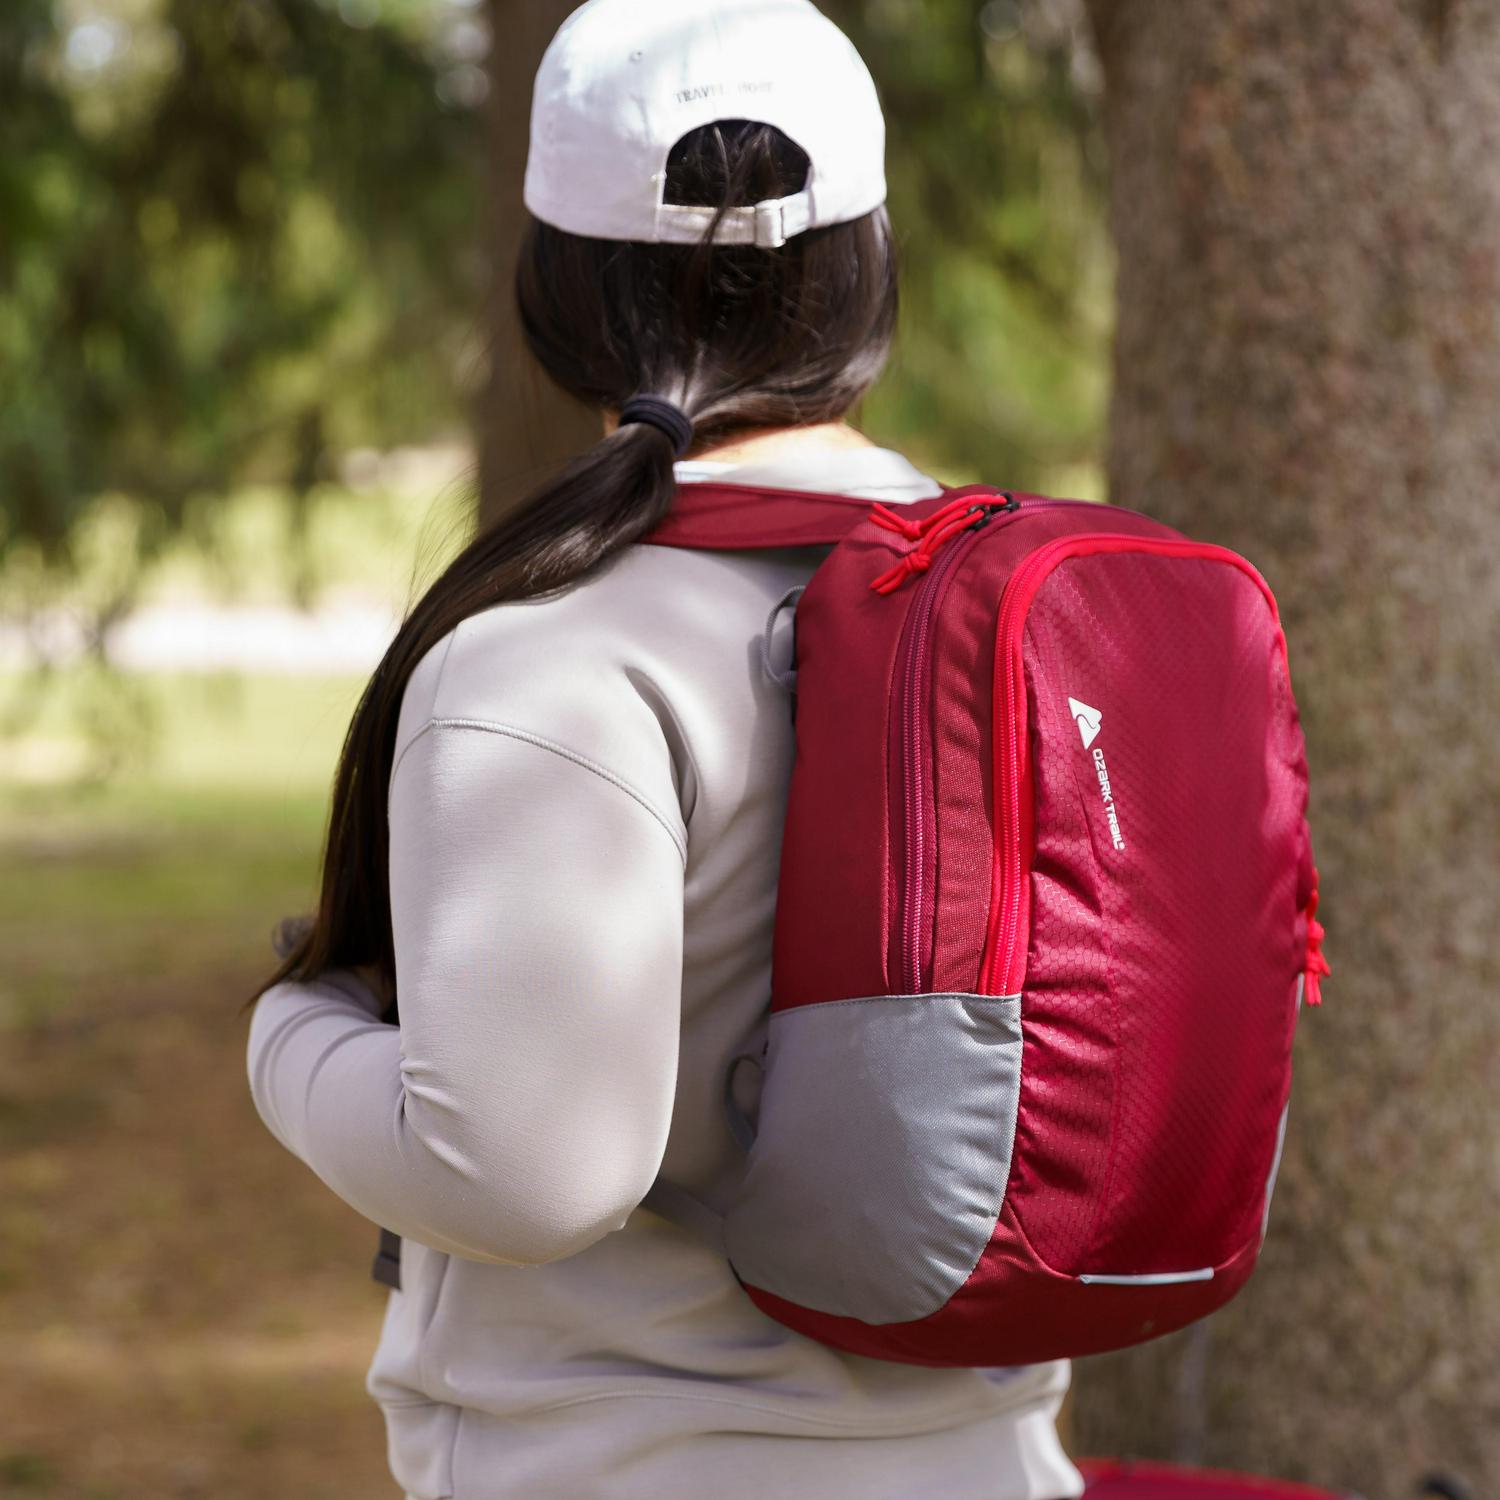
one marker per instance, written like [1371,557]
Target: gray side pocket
[883,1152]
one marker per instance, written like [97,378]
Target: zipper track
[915,657]
[1003,969]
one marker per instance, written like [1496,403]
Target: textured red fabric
[962,713]
[1184,961]
[834,900]
[737,518]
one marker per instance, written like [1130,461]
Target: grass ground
[186,1309]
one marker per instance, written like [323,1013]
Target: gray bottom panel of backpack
[882,1152]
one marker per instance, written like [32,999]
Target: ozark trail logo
[1090,721]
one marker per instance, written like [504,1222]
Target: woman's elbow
[553,1206]
[545,1228]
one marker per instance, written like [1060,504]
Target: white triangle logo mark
[1088,721]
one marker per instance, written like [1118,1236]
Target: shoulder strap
[745,518]
[751,518]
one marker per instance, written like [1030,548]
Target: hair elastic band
[658,412]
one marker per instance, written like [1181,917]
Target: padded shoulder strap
[745,518]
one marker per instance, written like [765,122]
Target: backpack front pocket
[1149,808]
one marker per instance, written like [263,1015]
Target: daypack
[1046,918]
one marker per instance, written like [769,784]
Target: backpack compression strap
[744,518]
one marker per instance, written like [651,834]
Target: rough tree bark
[527,427]
[1306,203]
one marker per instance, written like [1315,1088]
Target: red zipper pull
[936,532]
[883,516]
[965,505]
[914,562]
[1317,966]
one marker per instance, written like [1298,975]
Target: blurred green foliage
[996,163]
[238,237]
[233,236]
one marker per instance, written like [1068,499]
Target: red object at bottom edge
[1112,1480]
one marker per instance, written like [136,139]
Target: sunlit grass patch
[182,861]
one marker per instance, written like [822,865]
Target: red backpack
[1046,917]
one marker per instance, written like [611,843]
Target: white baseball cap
[625,80]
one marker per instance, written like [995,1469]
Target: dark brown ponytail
[740,338]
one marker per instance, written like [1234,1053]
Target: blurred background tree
[527,427]
[1307,213]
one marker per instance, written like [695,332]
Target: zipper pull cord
[919,559]
[1317,966]
[883,516]
[914,531]
[936,532]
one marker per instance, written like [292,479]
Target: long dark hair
[741,338]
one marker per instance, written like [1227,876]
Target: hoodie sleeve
[520,1112]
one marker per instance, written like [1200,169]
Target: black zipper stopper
[983,513]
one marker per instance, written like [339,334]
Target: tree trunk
[527,427]
[1306,203]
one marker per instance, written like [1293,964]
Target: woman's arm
[521,1110]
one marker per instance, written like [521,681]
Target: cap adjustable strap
[768,225]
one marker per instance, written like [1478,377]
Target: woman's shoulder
[599,667]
